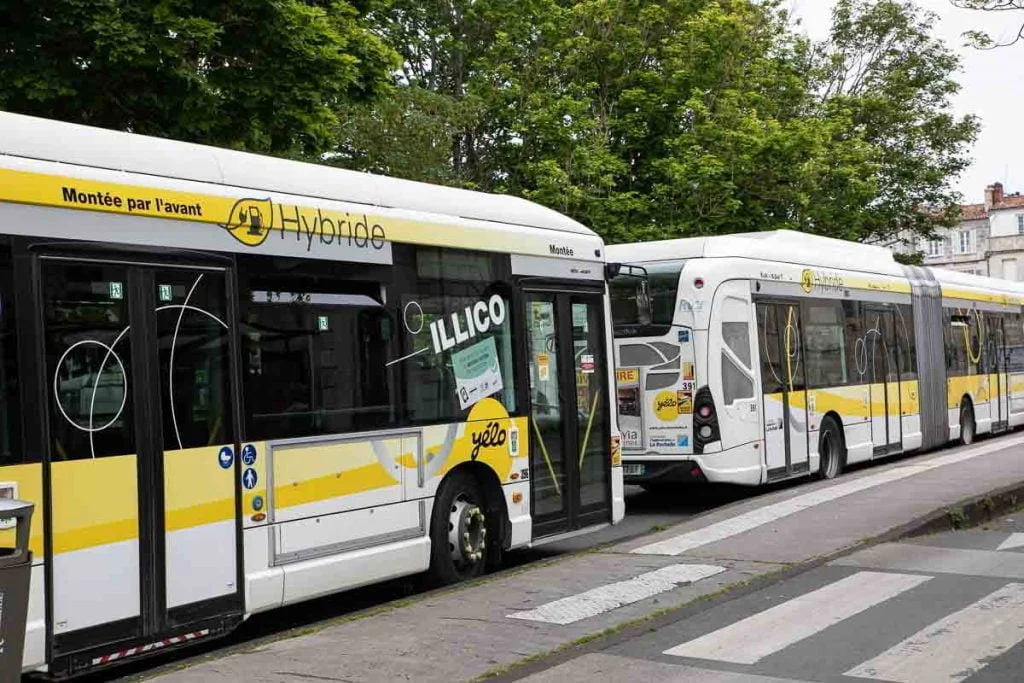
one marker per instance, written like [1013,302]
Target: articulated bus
[755,358]
[230,383]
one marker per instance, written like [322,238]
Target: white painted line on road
[754,638]
[956,647]
[1014,541]
[608,597]
[603,667]
[739,524]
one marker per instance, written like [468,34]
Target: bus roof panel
[783,246]
[36,138]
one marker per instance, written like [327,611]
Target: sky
[992,88]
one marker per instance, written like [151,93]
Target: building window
[934,247]
[965,242]
[1020,223]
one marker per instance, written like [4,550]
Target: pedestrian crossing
[754,638]
[957,646]
[1015,540]
[611,596]
[952,648]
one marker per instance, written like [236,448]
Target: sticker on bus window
[684,335]
[684,401]
[543,367]
[587,364]
[116,290]
[477,373]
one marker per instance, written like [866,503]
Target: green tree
[658,118]
[884,71]
[263,75]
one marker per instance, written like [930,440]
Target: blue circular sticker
[249,478]
[226,457]
[248,454]
[257,503]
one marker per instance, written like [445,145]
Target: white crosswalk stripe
[611,596]
[956,647]
[765,633]
[676,545]
[1014,541]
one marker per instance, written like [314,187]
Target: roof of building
[1009,201]
[973,212]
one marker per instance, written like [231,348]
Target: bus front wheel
[458,530]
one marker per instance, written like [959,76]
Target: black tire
[968,427]
[831,449]
[458,487]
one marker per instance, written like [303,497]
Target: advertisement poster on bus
[627,382]
[477,373]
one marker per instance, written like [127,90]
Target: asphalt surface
[645,513]
[566,611]
[948,607]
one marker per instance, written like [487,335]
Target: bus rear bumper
[740,465]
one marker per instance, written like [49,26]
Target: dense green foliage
[264,75]
[641,118]
[658,118]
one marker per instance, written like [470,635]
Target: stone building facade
[989,240]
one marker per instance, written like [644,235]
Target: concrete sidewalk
[470,631]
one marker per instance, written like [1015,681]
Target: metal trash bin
[15,574]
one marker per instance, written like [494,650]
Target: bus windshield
[627,298]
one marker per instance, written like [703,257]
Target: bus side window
[768,340]
[736,385]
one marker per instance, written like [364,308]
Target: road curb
[965,514]
[971,512]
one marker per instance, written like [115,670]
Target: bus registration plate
[633,469]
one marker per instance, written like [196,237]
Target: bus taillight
[705,421]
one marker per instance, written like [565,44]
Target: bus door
[142,457]
[783,390]
[997,360]
[569,415]
[883,367]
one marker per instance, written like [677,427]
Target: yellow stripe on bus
[313,490]
[197,490]
[95,501]
[224,212]
[975,386]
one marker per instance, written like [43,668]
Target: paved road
[948,607]
[645,513]
[661,580]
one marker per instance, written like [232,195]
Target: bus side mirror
[612,270]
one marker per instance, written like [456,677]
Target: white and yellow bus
[231,383]
[755,358]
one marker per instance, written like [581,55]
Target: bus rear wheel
[967,426]
[830,449]
[458,530]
